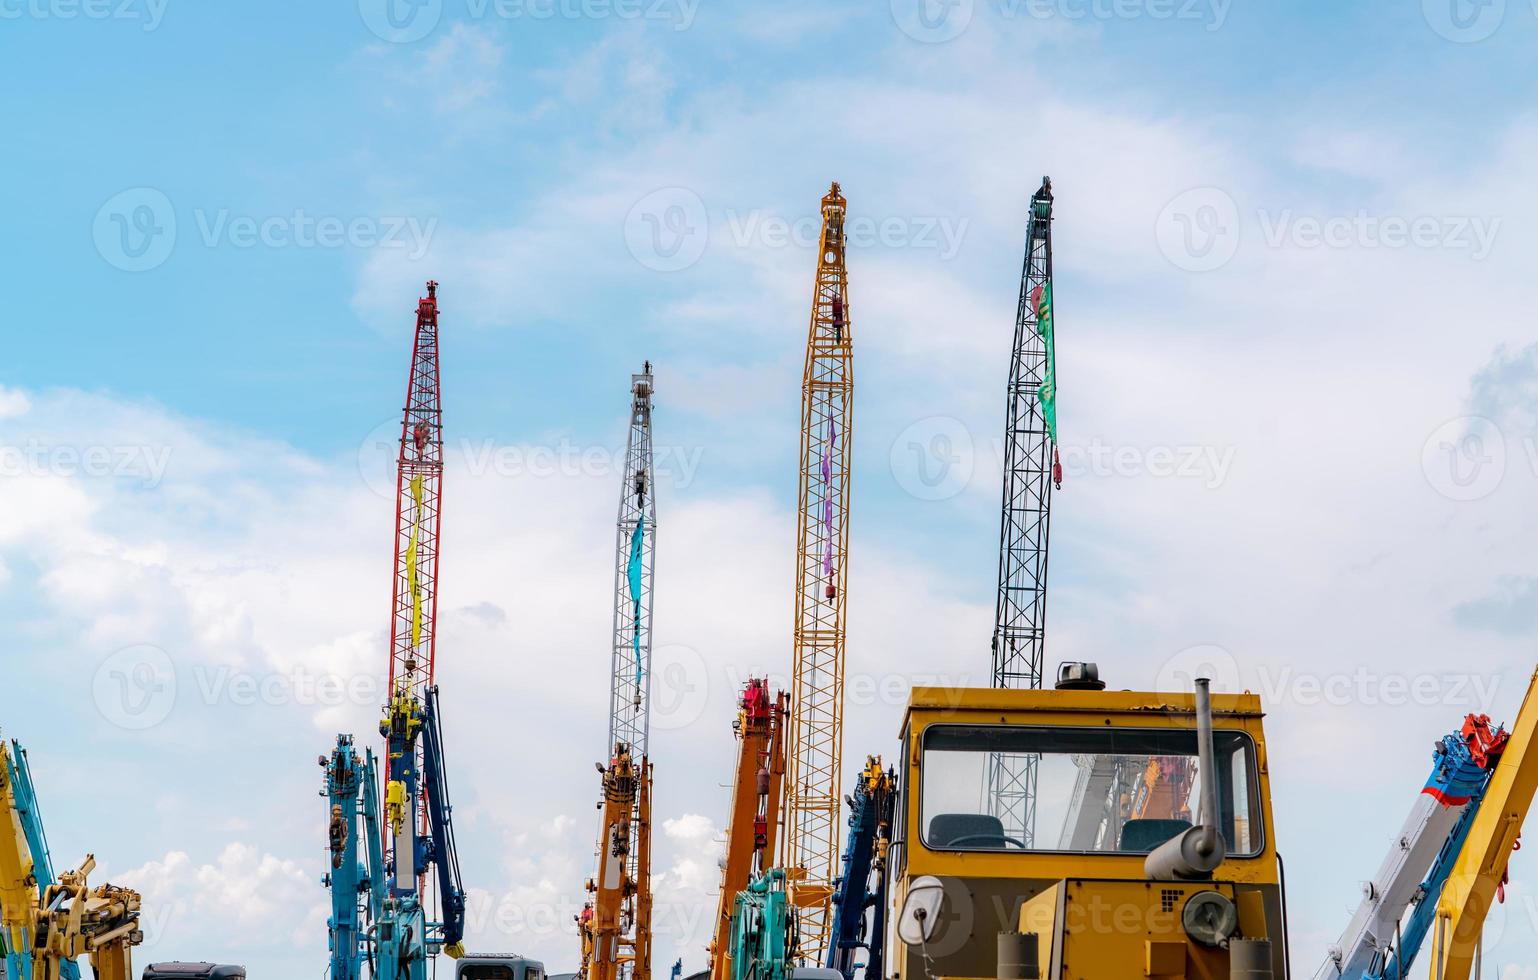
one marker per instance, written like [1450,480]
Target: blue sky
[1298,390]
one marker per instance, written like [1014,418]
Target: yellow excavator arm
[18,884]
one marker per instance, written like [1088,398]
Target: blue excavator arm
[444,854]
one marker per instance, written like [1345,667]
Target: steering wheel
[957,841]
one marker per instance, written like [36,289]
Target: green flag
[1047,393]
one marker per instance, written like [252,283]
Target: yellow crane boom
[1481,867]
[810,844]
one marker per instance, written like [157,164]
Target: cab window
[1097,790]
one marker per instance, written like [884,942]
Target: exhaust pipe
[1019,956]
[1197,853]
[1249,959]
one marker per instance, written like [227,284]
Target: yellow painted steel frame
[996,883]
[18,885]
[813,825]
[1481,867]
[641,964]
[616,937]
[761,747]
[75,920]
[1118,929]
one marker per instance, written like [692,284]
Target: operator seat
[986,832]
[1145,836]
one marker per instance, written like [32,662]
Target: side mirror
[920,915]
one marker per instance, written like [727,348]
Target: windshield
[1112,790]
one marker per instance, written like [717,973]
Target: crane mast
[413,607]
[636,530]
[1030,468]
[615,925]
[811,842]
[379,913]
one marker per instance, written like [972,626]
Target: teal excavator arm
[21,798]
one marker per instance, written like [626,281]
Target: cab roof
[972,700]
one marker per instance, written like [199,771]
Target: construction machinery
[1031,468]
[380,912]
[1448,865]
[26,867]
[357,873]
[810,844]
[1378,944]
[499,967]
[615,924]
[413,619]
[1151,897]
[764,936]
[193,971]
[752,826]
[74,920]
[50,923]
[861,888]
[1478,875]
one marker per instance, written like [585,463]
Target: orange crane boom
[811,841]
[612,944]
[755,814]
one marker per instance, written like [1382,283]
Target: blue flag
[637,541]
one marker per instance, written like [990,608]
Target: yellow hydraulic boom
[1480,871]
[810,844]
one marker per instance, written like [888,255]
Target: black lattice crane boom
[1031,467]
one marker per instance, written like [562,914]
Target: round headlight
[1210,918]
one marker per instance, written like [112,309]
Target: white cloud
[460,69]
[13,403]
[225,909]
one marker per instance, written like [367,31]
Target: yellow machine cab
[1085,834]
